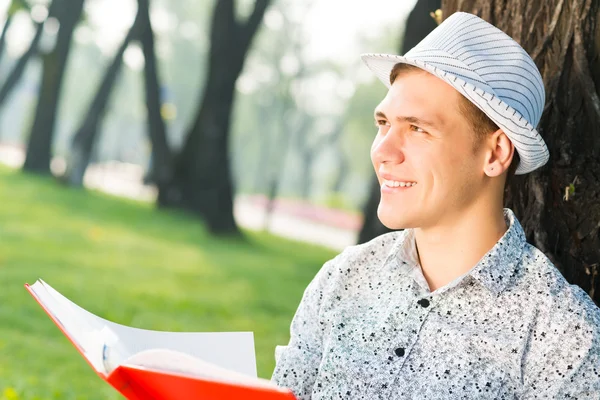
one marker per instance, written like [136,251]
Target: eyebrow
[410,119]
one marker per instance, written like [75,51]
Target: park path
[291,219]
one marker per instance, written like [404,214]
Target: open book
[152,365]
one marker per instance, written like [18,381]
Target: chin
[394,220]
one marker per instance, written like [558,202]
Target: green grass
[131,264]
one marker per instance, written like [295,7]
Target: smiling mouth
[395,184]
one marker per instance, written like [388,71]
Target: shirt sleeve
[563,361]
[297,364]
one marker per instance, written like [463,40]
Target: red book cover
[142,383]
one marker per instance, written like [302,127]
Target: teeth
[398,184]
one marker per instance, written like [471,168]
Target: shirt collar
[495,269]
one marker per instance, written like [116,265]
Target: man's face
[427,145]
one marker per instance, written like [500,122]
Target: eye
[381,122]
[417,129]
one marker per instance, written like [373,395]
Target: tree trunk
[37,160]
[85,136]
[342,170]
[162,162]
[563,37]
[17,71]
[262,178]
[202,181]
[7,23]
[418,25]
[308,158]
[282,136]
[272,191]
[310,153]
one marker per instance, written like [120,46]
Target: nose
[388,148]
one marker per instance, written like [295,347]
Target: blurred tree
[263,176]
[3,34]
[293,132]
[162,164]
[288,129]
[68,14]
[86,135]
[288,122]
[359,131]
[15,5]
[182,70]
[17,70]
[342,160]
[559,205]
[311,147]
[418,25]
[201,182]
[308,150]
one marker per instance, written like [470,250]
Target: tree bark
[37,159]
[162,162]
[563,38]
[202,181]
[85,136]
[418,25]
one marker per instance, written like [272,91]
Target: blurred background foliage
[295,95]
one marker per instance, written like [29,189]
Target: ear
[498,154]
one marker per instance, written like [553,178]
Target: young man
[457,305]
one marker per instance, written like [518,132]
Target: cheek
[442,166]
[457,172]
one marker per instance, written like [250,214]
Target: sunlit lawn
[129,263]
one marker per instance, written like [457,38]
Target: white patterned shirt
[368,327]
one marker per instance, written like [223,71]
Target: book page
[86,332]
[184,364]
[107,344]
[229,350]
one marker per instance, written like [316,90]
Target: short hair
[482,124]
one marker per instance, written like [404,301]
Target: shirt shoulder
[549,289]
[346,276]
[564,333]
[354,261]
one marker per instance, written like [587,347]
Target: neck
[451,249]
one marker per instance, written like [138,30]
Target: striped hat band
[491,70]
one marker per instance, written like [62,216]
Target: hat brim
[532,149]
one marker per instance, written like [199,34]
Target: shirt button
[423,303]
[399,351]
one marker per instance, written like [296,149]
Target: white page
[173,361]
[85,331]
[230,350]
